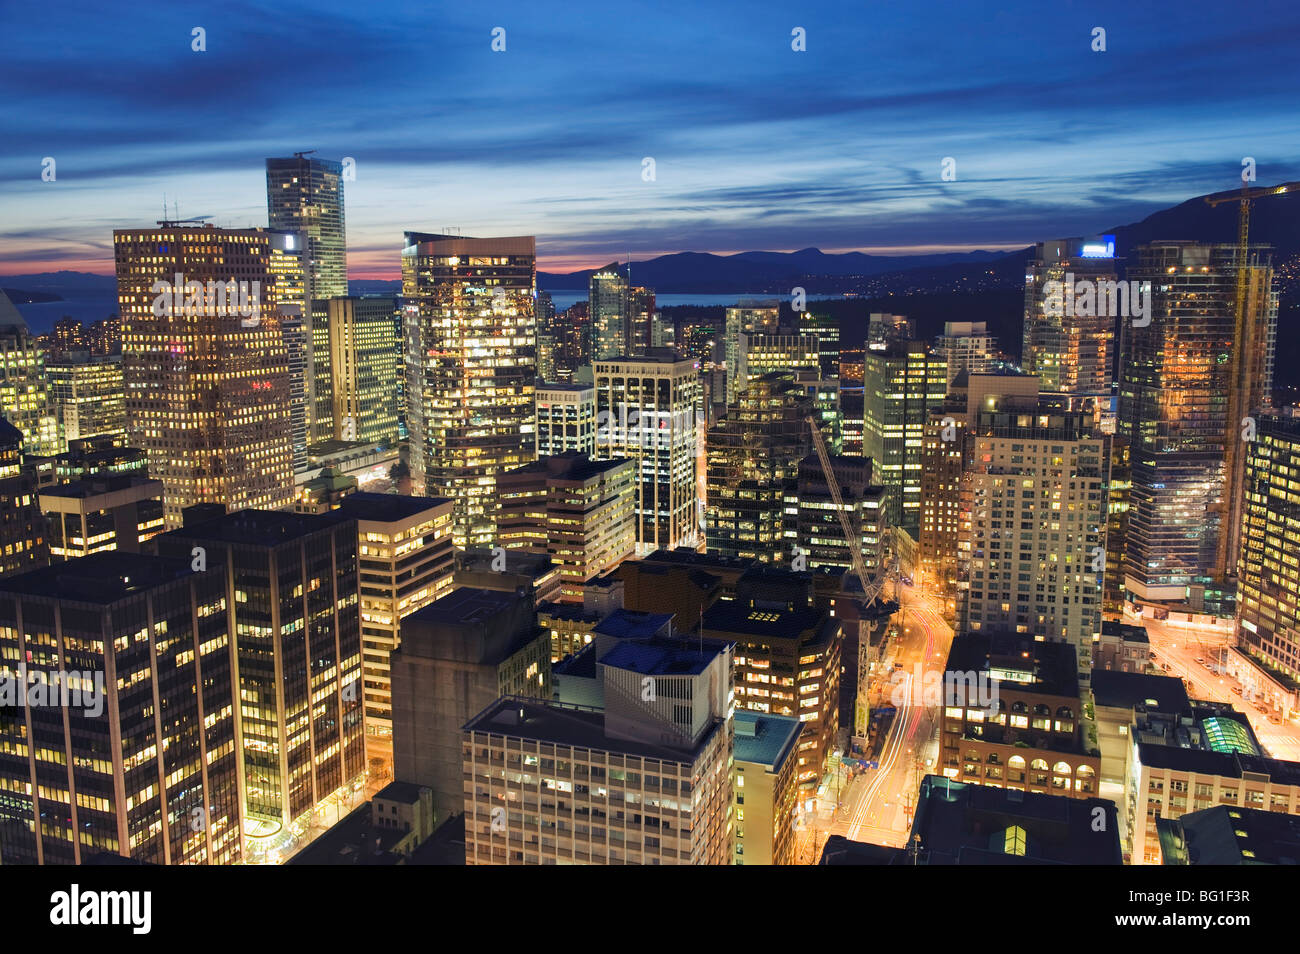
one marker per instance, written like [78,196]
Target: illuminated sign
[1103,249]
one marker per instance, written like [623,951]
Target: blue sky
[755,145]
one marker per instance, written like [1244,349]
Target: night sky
[755,145]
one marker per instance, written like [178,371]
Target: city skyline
[755,145]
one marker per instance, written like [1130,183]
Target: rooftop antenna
[300,155]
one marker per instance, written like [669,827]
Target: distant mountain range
[1275,221]
[765,272]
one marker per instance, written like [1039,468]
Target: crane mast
[872,587]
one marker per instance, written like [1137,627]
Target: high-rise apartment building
[902,384]
[751,454]
[966,346]
[566,419]
[126,742]
[1037,528]
[1069,349]
[361,364]
[581,512]
[1175,390]
[471,369]
[204,365]
[406,562]
[647,408]
[548,337]
[607,308]
[290,582]
[23,398]
[86,395]
[745,320]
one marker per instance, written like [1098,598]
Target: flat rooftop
[99,486]
[467,604]
[1129,690]
[266,528]
[656,659]
[102,578]
[763,739]
[736,616]
[1053,664]
[567,725]
[388,508]
[631,624]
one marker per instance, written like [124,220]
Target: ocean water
[86,308]
[40,317]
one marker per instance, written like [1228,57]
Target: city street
[876,806]
[1180,646]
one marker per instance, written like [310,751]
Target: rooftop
[763,739]
[1227,835]
[466,604]
[960,823]
[657,659]
[735,616]
[104,484]
[631,624]
[565,725]
[102,578]
[1052,664]
[388,508]
[265,528]
[1130,690]
[571,465]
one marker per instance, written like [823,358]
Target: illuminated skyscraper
[966,346]
[362,364]
[471,368]
[579,511]
[86,395]
[406,562]
[306,195]
[1037,528]
[646,409]
[23,542]
[145,763]
[1071,353]
[23,399]
[751,455]
[206,377]
[1268,596]
[902,384]
[566,419]
[745,320]
[607,308]
[290,581]
[640,319]
[1174,401]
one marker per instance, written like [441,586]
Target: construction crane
[1247,346]
[872,587]
[301,155]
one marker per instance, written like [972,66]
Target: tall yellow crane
[1247,350]
[872,587]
